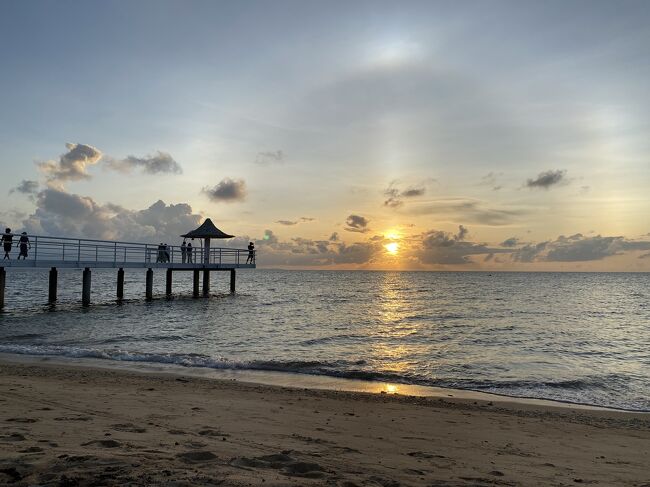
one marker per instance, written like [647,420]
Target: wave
[576,389]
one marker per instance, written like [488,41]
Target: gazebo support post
[206,282]
[168,283]
[85,288]
[52,284]
[195,289]
[149,285]
[120,284]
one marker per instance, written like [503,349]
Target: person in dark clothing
[184,252]
[190,255]
[7,238]
[251,253]
[24,245]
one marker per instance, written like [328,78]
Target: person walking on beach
[189,250]
[7,238]
[184,252]
[251,253]
[24,245]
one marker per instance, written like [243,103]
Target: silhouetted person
[184,252]
[166,253]
[7,238]
[24,245]
[251,253]
[161,252]
[189,250]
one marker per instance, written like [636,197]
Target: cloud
[491,179]
[578,248]
[26,186]
[547,179]
[443,248]
[334,237]
[227,191]
[468,210]
[645,256]
[269,157]
[302,219]
[356,223]
[160,162]
[303,252]
[510,242]
[395,195]
[59,213]
[71,166]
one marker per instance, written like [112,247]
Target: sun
[392,247]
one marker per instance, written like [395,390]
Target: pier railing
[46,250]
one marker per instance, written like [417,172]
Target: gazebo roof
[207,230]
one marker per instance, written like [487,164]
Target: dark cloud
[510,242]
[394,195]
[356,223]
[71,166]
[529,252]
[228,191]
[160,162]
[547,179]
[269,157]
[443,248]
[302,219]
[26,186]
[578,248]
[59,213]
[334,237]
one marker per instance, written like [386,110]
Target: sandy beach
[68,425]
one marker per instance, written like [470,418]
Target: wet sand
[68,425]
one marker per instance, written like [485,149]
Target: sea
[580,338]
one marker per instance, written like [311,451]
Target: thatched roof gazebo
[207,230]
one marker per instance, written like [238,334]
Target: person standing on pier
[183,252]
[24,245]
[7,238]
[251,253]
[189,250]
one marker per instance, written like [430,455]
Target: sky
[435,135]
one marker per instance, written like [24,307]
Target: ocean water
[575,337]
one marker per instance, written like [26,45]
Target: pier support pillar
[196,284]
[85,289]
[168,283]
[149,285]
[232,280]
[3,279]
[51,292]
[206,282]
[120,284]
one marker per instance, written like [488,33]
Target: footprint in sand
[280,461]
[212,432]
[129,428]
[197,456]
[12,437]
[103,443]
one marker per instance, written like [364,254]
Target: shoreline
[303,381]
[71,424]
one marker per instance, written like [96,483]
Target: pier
[56,253]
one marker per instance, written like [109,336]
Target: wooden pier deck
[66,253]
